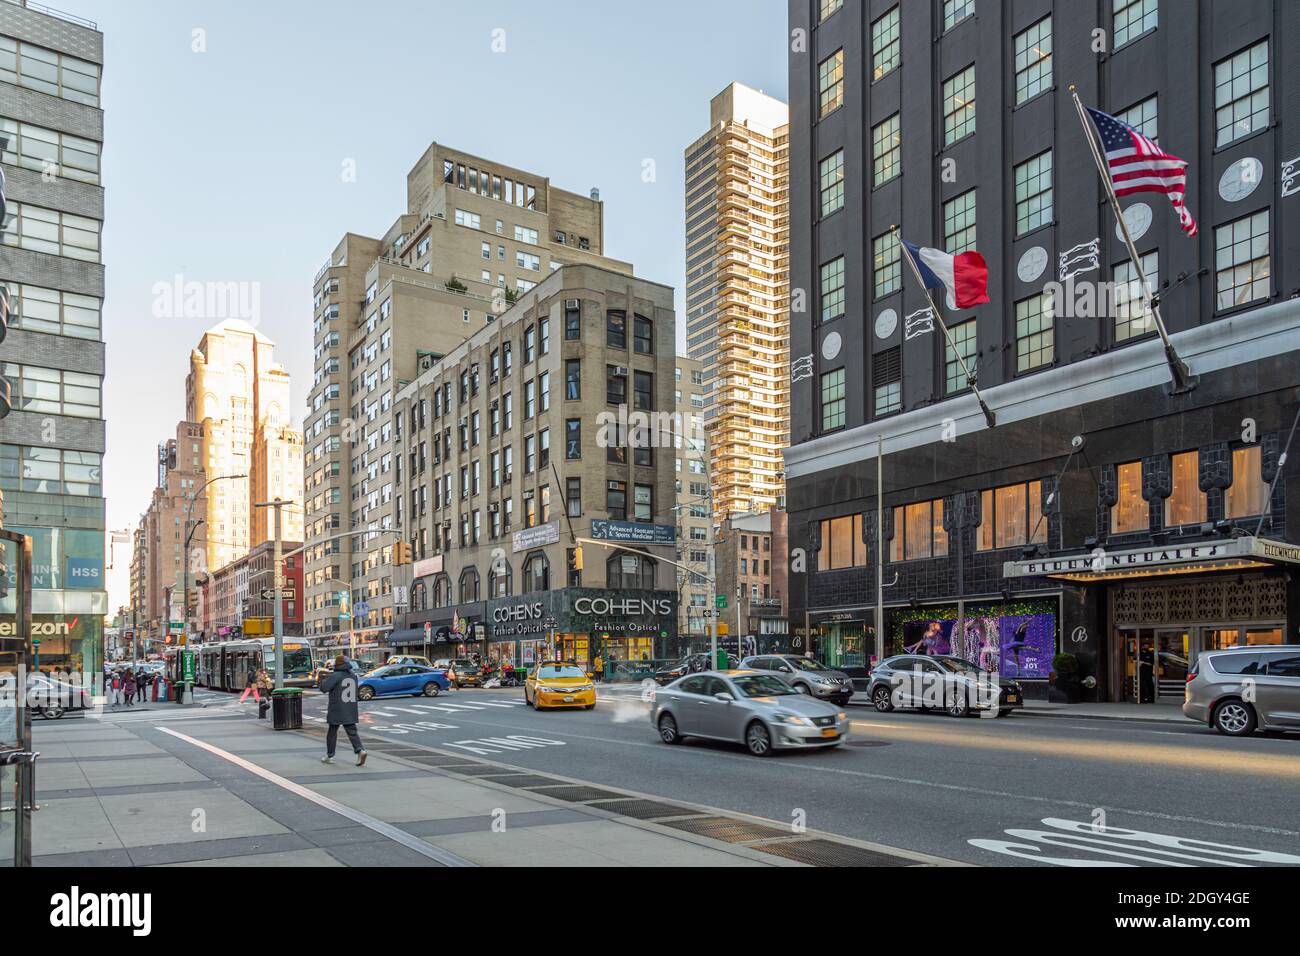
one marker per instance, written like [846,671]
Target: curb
[1177,721]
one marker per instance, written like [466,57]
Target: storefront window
[1248,494]
[918,531]
[842,644]
[1130,512]
[1186,502]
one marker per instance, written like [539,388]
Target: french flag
[965,276]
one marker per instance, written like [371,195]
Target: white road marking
[1157,849]
[496,745]
[393,833]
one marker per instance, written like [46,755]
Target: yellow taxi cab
[559,684]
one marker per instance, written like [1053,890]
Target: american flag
[1138,165]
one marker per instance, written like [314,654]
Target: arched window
[469,585]
[499,579]
[631,572]
[419,597]
[442,591]
[537,573]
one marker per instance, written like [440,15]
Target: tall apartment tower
[476,235]
[240,395]
[737,293]
[1109,511]
[693,512]
[52,443]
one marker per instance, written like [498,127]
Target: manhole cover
[866,743]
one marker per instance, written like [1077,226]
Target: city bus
[226,665]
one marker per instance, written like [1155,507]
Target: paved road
[1024,790]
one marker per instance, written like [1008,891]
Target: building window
[643,503]
[830,82]
[572,380]
[1132,19]
[1009,517]
[885,45]
[886,151]
[630,572]
[959,105]
[38,148]
[1142,117]
[616,500]
[39,309]
[1247,496]
[1241,94]
[955,11]
[49,72]
[1035,333]
[918,532]
[573,439]
[833,400]
[887,266]
[1242,260]
[616,329]
[48,230]
[959,223]
[643,335]
[572,323]
[832,289]
[537,574]
[499,579]
[832,182]
[573,497]
[1130,512]
[841,544]
[1033,60]
[1186,503]
[1034,193]
[615,385]
[887,377]
[963,337]
[826,7]
[1132,317]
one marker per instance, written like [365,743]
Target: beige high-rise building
[738,293]
[476,236]
[693,512]
[240,395]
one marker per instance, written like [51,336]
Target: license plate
[1012,699]
[830,732]
[568,700]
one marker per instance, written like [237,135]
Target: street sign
[361,609]
[187,667]
[176,625]
[286,594]
[721,602]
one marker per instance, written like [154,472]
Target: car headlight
[841,716]
[794,719]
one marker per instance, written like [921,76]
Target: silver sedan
[759,710]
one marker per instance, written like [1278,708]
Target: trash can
[286,709]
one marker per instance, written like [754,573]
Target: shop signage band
[1229,553]
[633,532]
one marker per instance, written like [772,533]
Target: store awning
[1229,554]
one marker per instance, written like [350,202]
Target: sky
[231,127]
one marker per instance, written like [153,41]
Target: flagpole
[970,376]
[1183,380]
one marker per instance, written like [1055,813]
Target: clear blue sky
[226,165]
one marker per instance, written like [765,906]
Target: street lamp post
[277,583]
[185,584]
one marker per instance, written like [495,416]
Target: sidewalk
[1159,713]
[203,789]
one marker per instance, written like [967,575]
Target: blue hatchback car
[402,680]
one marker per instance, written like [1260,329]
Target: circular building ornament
[1032,264]
[831,346]
[1138,216]
[1240,179]
[886,323]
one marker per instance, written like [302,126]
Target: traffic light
[575,560]
[401,553]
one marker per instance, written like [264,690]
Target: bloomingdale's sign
[1102,561]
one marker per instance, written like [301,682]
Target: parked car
[952,684]
[402,680]
[461,671]
[559,684]
[816,679]
[755,708]
[1241,689]
[47,696]
[690,664]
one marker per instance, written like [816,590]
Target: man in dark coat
[341,686]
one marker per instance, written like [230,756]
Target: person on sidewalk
[114,689]
[142,686]
[128,686]
[341,688]
[250,687]
[264,682]
[598,665]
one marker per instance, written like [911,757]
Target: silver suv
[1240,689]
[807,674]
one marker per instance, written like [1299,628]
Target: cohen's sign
[633,607]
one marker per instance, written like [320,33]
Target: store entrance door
[1173,656]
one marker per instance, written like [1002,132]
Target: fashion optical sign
[661,607]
